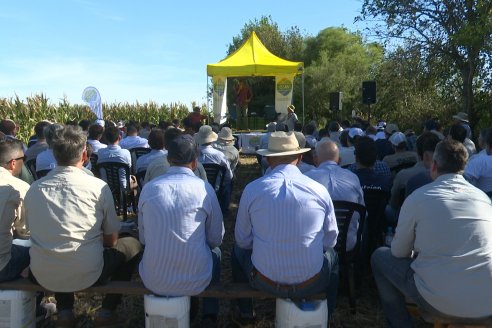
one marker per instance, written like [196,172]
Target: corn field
[26,113]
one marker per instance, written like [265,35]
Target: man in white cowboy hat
[225,143]
[285,231]
[204,138]
[462,119]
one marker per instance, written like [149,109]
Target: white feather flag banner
[92,97]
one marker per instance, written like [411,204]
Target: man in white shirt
[180,223]
[13,258]
[440,254]
[74,232]
[95,134]
[341,183]
[285,230]
[132,140]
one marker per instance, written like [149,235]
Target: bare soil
[368,313]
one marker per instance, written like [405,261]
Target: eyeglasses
[18,159]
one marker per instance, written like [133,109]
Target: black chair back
[136,153]
[140,178]
[93,159]
[344,211]
[112,173]
[42,173]
[215,175]
[31,166]
[376,201]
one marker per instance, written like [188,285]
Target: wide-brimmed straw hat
[463,117]
[291,107]
[225,134]
[205,135]
[282,144]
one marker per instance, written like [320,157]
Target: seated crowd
[428,194]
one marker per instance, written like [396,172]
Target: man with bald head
[341,183]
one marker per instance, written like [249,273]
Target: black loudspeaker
[369,92]
[336,100]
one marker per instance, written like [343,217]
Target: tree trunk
[467,74]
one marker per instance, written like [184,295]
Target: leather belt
[256,273]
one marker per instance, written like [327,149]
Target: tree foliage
[338,60]
[458,32]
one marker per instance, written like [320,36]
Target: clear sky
[137,50]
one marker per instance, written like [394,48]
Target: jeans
[395,281]
[211,305]
[119,264]
[19,260]
[327,281]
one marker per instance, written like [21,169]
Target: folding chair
[344,212]
[93,159]
[111,172]
[135,154]
[215,176]
[42,173]
[31,166]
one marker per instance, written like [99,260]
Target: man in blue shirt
[285,231]
[180,223]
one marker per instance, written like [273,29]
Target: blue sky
[137,50]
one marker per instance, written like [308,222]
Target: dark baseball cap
[182,150]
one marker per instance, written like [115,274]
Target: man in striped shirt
[285,230]
[180,223]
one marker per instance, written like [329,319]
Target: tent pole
[303,98]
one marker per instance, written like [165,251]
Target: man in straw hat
[462,119]
[204,138]
[285,231]
[225,143]
[291,119]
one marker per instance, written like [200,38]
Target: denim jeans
[327,281]
[395,281]
[19,260]
[211,305]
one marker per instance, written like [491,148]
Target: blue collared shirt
[179,222]
[208,154]
[45,160]
[130,142]
[288,220]
[115,154]
[144,160]
[341,185]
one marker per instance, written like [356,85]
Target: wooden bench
[446,322]
[223,290]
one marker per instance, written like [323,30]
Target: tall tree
[338,60]
[458,31]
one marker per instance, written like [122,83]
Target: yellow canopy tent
[254,59]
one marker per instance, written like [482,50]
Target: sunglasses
[18,159]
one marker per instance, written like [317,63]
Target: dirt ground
[368,313]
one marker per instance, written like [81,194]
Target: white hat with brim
[463,117]
[205,135]
[282,144]
[226,134]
